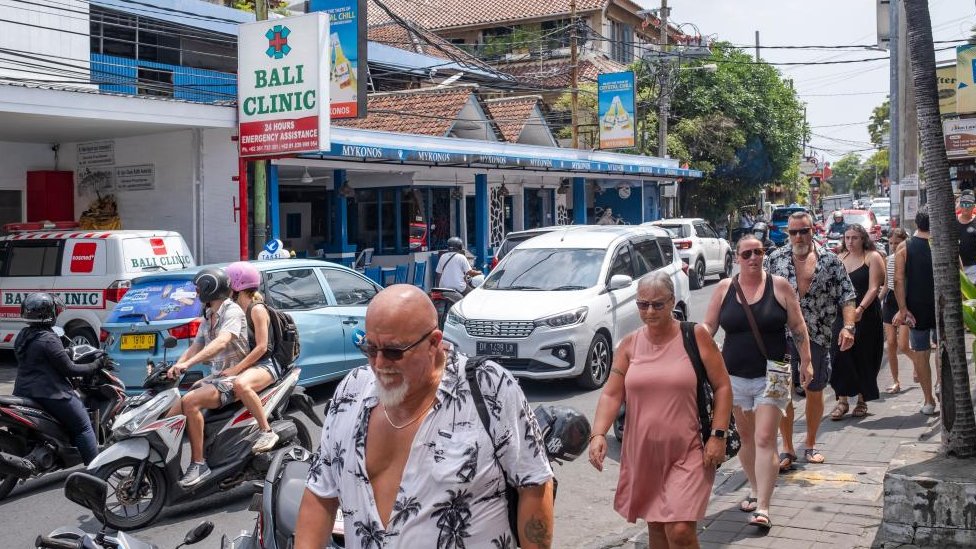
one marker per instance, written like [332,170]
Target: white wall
[58,34]
[20,158]
[220,239]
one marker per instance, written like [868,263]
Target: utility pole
[665,100]
[757,47]
[894,110]
[260,231]
[574,72]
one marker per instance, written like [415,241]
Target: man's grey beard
[801,249]
[391,396]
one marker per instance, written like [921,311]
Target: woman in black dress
[855,371]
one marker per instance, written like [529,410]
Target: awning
[386,147]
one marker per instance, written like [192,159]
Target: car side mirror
[199,533]
[619,281]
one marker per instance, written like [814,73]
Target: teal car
[327,301]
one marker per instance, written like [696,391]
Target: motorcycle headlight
[454,318]
[561,320]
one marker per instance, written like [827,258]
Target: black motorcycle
[33,442]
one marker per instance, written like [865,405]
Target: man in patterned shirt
[406,456]
[822,284]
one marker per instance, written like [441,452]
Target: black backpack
[283,342]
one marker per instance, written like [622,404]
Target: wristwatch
[719,433]
[850,328]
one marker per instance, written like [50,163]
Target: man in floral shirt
[822,284]
[406,456]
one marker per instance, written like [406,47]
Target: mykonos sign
[283,85]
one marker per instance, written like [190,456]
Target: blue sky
[839,97]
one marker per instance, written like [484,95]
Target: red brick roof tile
[511,114]
[444,14]
[423,112]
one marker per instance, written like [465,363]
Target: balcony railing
[136,77]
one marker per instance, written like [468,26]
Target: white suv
[557,304]
[705,252]
[90,270]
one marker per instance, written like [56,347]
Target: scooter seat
[11,400]
[291,488]
[222,413]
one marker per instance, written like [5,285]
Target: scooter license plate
[497,348]
[137,342]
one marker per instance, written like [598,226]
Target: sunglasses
[804,231]
[747,254]
[966,204]
[390,353]
[656,305]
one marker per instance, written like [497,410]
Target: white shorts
[749,393]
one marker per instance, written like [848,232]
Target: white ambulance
[90,270]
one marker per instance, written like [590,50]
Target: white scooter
[143,468]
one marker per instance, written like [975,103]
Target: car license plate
[496,348]
[137,342]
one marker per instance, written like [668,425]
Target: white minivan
[89,270]
[556,305]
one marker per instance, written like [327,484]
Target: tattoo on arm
[537,531]
[799,336]
[616,371]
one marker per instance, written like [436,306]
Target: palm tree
[958,421]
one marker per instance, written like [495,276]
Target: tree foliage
[845,172]
[880,123]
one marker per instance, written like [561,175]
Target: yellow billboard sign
[946,78]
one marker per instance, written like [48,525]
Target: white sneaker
[195,473]
[928,409]
[266,441]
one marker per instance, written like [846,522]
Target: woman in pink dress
[666,474]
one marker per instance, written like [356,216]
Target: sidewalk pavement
[837,503]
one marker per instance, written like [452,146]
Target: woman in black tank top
[757,408]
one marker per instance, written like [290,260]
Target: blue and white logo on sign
[358,337]
[273,246]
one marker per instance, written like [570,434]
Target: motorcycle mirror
[169,343]
[199,533]
[88,491]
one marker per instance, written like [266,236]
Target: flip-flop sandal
[786,461]
[748,505]
[894,389]
[839,411]
[861,410]
[760,520]
[812,455]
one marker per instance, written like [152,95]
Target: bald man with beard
[405,454]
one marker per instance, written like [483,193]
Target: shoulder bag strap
[471,374]
[691,347]
[750,317]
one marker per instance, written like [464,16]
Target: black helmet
[455,244]
[212,284]
[565,430]
[41,308]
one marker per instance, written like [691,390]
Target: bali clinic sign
[283,85]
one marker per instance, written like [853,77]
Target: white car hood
[483,304]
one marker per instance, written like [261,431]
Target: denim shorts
[748,394]
[920,340]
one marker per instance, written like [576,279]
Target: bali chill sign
[616,110]
[347,41]
[283,85]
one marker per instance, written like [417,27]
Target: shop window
[365,220]
[155,82]
[388,223]
[441,205]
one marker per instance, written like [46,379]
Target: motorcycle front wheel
[124,510]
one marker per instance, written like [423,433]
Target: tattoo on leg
[537,531]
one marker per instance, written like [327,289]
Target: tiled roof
[419,40]
[557,74]
[423,112]
[444,14]
[511,114]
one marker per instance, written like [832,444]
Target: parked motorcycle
[445,298]
[34,443]
[90,492]
[144,466]
[565,430]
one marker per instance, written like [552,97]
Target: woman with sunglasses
[666,474]
[759,396]
[856,370]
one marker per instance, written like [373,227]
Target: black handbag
[706,396]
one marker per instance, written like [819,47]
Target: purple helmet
[243,276]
